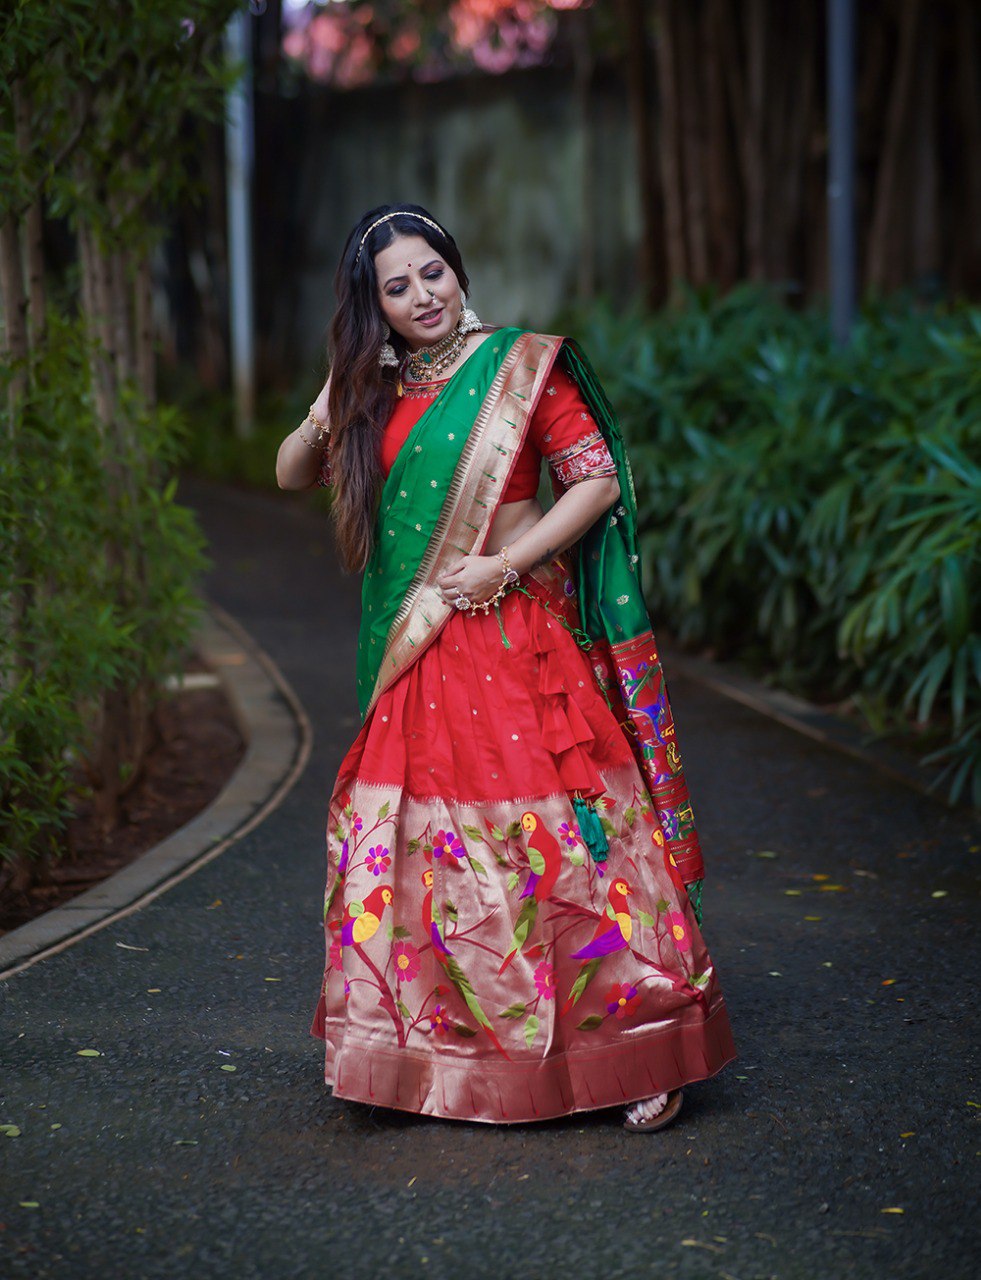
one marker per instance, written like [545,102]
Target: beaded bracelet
[323,431]
[510,577]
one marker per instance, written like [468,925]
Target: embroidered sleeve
[325,474]
[565,432]
[587,459]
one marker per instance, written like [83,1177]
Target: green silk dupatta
[438,504]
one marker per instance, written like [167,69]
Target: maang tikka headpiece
[399,213]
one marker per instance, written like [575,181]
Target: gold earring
[386,353]
[469,321]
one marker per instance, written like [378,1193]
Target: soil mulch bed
[200,748]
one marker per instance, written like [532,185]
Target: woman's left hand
[476,578]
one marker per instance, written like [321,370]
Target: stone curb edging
[278,743]
[805,718]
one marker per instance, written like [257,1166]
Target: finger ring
[462,602]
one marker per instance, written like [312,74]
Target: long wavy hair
[362,392]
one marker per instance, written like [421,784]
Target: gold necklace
[424,365]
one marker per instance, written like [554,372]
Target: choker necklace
[426,363]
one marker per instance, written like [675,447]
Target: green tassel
[500,622]
[591,829]
[695,898]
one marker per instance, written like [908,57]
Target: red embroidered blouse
[561,430]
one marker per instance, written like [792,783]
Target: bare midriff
[511,521]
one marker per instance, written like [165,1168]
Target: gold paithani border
[480,479]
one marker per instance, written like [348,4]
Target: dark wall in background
[692,147]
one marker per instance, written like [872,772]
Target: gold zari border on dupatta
[480,478]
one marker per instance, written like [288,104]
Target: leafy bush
[93,592]
[810,509]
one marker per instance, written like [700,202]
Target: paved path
[165,1165]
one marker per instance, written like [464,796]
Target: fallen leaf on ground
[702,1244]
[820,876]
[892,1210]
[153,991]
[833,888]
[227,1066]
[10,1130]
[411,1180]
[272,979]
[911,1134]
[127,947]
[775,973]
[29,1204]
[793,893]
[826,964]
[185,1142]
[888,982]
[812,917]
[939,893]
[89,1053]
[973,1104]
[216,903]
[766,853]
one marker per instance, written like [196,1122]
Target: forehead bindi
[402,254]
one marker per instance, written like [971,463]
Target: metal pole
[841,165]
[238,168]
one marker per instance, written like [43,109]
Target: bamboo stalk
[690,89]
[143,316]
[584,63]
[633,16]
[885,235]
[754,175]
[967,262]
[14,313]
[120,318]
[924,228]
[33,234]
[669,141]
[720,164]
[800,79]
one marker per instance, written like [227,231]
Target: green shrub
[94,591]
[813,510]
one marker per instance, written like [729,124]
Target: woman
[513,894]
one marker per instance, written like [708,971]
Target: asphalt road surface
[841,913]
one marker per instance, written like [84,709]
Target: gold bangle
[510,577]
[309,443]
[322,427]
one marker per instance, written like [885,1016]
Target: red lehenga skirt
[480,964]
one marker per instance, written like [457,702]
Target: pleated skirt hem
[493,1091]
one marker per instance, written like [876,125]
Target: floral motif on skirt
[480,964]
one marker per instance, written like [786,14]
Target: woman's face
[418,292]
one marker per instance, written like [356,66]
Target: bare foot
[647,1108]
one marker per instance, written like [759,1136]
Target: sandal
[661,1120]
